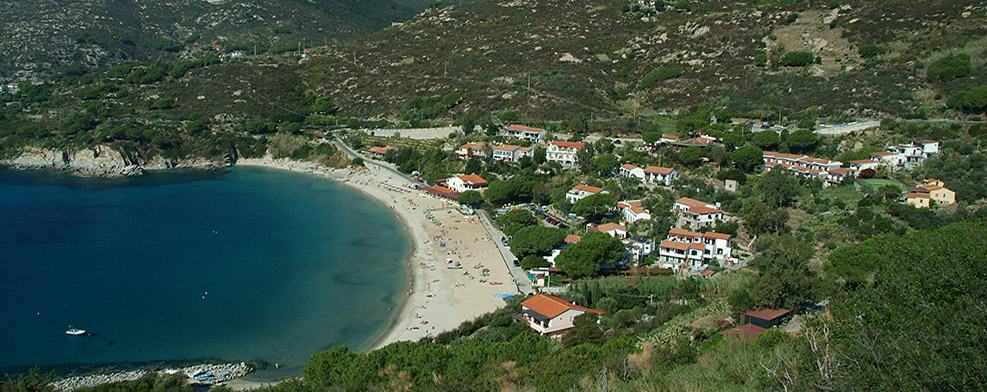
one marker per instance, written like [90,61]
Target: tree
[520,217]
[802,140]
[534,261]
[760,59]
[586,257]
[777,188]
[470,198]
[652,137]
[606,163]
[869,50]
[325,105]
[584,330]
[767,140]
[949,67]
[491,129]
[759,218]
[469,125]
[328,369]
[536,240]
[785,280]
[914,330]
[690,156]
[748,157]
[593,207]
[540,155]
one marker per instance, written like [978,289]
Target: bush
[664,73]
[950,67]
[164,44]
[760,59]
[870,50]
[972,100]
[797,59]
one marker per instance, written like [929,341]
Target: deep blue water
[292,265]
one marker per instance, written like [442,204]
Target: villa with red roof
[463,183]
[633,211]
[551,315]
[695,214]
[564,152]
[582,191]
[511,153]
[628,170]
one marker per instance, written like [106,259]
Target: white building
[888,159]
[696,250]
[581,191]
[629,170]
[564,152]
[463,183]
[863,164]
[660,175]
[806,166]
[550,315]
[511,153]
[633,211]
[695,214]
[524,132]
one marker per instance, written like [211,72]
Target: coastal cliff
[104,161]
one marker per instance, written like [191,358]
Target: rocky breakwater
[101,161]
[217,373]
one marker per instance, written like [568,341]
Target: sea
[240,264]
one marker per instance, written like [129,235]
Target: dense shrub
[950,67]
[972,100]
[797,59]
[870,50]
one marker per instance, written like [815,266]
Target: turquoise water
[292,265]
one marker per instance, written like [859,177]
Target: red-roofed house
[470,150]
[441,191]
[633,211]
[660,175]
[550,315]
[525,132]
[890,160]
[379,152]
[463,183]
[863,164]
[695,249]
[629,170]
[695,214]
[564,152]
[830,172]
[766,318]
[580,192]
[613,229]
[572,239]
[511,153]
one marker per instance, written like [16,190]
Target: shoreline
[435,299]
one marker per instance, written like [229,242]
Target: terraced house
[683,248]
[830,172]
[695,214]
[511,153]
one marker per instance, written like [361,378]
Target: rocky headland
[220,373]
[104,161]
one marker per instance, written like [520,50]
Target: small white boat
[75,331]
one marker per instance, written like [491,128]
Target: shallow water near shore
[238,264]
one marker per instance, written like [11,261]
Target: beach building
[628,170]
[582,191]
[695,214]
[470,150]
[660,175]
[441,191]
[551,315]
[463,183]
[525,132]
[564,152]
[611,229]
[378,152]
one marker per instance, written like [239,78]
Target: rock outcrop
[103,161]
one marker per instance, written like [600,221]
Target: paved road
[394,173]
[847,128]
[520,276]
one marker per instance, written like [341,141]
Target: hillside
[555,59]
[38,37]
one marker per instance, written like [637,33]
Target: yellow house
[918,200]
[938,192]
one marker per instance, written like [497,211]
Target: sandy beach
[439,298]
